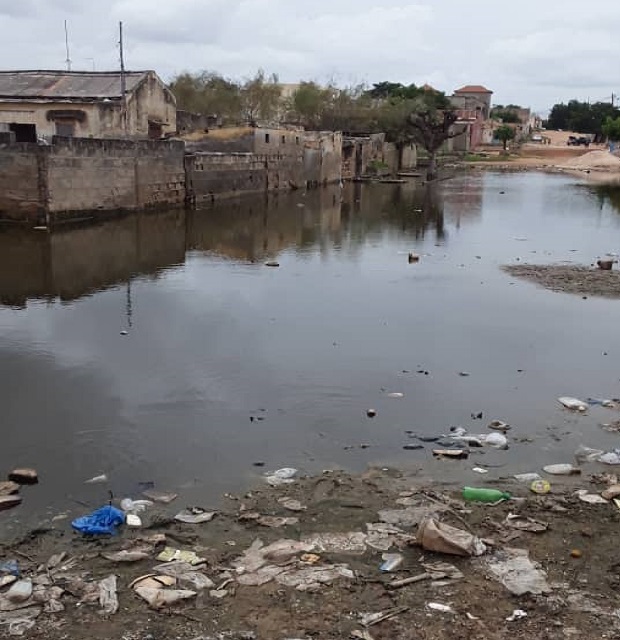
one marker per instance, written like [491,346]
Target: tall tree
[208,93]
[261,97]
[309,103]
[611,129]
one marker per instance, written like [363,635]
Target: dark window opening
[347,153]
[296,139]
[283,139]
[65,128]
[266,138]
[156,130]
[24,132]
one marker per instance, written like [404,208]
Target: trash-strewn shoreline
[302,560]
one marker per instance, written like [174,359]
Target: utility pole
[68,59]
[613,99]
[123,79]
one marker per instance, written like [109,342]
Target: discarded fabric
[436,536]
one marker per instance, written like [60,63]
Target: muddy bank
[580,280]
[319,585]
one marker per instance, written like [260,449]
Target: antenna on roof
[68,60]
[123,79]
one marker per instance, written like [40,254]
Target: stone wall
[21,181]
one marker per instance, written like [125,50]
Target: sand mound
[593,160]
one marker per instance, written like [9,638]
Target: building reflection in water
[75,261]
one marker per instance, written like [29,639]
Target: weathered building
[40,104]
[473,107]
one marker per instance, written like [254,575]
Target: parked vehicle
[574,141]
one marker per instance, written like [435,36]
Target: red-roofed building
[473,106]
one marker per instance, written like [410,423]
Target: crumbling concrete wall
[21,187]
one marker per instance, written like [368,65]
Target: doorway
[24,132]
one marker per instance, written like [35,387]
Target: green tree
[505,133]
[611,128]
[309,103]
[208,93]
[260,97]
[582,117]
[505,114]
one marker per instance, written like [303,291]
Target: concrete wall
[20,182]
[322,159]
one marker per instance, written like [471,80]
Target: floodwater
[228,362]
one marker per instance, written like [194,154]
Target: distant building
[472,104]
[473,97]
[36,104]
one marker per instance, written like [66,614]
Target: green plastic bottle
[485,495]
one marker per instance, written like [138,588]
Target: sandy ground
[557,157]
[580,599]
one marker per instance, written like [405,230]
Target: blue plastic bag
[100,522]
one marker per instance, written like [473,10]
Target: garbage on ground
[170,554]
[133,521]
[499,425]
[458,454]
[158,598]
[194,515]
[101,522]
[281,476]
[135,506]
[391,562]
[280,552]
[136,554]
[611,492]
[352,542]
[412,258]
[514,569]
[5,581]
[396,394]
[102,479]
[517,614]
[187,575]
[590,498]
[160,496]
[371,413]
[8,488]
[108,599]
[523,523]
[20,621]
[495,440]
[442,538]
[370,619]
[11,567]
[573,403]
[443,608]
[291,504]
[474,494]
[540,487]
[20,591]
[603,402]
[382,536]
[611,457]
[8,502]
[410,516]
[561,470]
[442,571]
[272,263]
[276,522]
[24,476]
[480,470]
[527,478]
[586,454]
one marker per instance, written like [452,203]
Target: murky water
[228,362]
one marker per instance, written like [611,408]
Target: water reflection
[608,194]
[72,262]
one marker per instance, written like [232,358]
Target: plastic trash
[495,440]
[391,562]
[169,554]
[590,498]
[573,403]
[473,494]
[540,487]
[281,476]
[517,614]
[11,567]
[133,521]
[108,599]
[586,454]
[396,394]
[8,488]
[101,522]
[499,425]
[443,608]
[603,402]
[160,496]
[8,502]
[160,598]
[135,506]
[194,515]
[20,591]
[514,569]
[527,478]
[611,457]
[129,555]
[457,454]
[442,538]
[97,479]
[523,523]
[561,470]
[24,476]
[480,470]
[611,492]
[291,504]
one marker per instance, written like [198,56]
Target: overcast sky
[534,53]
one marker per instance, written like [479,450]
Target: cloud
[539,55]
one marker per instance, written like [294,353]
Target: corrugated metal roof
[74,85]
